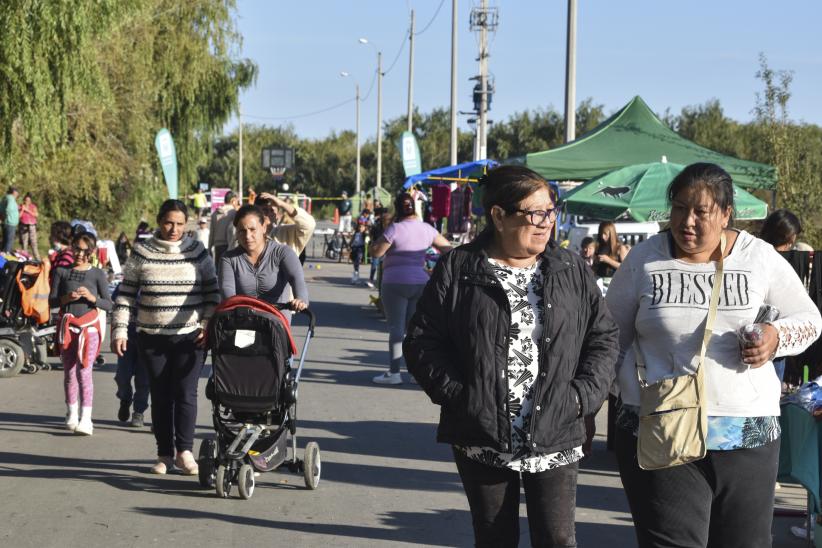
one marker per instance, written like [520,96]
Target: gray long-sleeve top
[277,268]
[67,280]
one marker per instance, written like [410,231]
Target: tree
[793,148]
[86,86]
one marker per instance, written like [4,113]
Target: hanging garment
[440,201]
[801,263]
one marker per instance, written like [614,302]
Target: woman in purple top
[403,244]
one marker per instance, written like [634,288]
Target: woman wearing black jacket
[513,340]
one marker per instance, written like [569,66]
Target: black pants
[724,500]
[174,364]
[493,496]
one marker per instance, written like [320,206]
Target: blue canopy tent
[465,172]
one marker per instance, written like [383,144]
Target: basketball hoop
[277,172]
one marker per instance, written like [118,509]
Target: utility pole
[571,74]
[483,67]
[379,119]
[358,138]
[411,74]
[240,174]
[454,130]
[483,19]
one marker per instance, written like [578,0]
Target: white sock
[72,414]
[85,416]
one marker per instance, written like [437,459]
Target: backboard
[277,158]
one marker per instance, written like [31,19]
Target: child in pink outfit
[81,292]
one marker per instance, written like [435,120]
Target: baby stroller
[24,334]
[253,391]
[335,246]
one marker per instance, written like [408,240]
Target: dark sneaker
[125,411]
[137,420]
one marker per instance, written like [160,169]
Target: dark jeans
[722,501]
[174,364]
[8,237]
[129,366]
[375,266]
[357,254]
[493,496]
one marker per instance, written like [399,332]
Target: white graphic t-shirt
[661,303]
[523,287]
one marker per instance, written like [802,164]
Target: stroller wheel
[246,481]
[223,481]
[205,461]
[12,358]
[312,465]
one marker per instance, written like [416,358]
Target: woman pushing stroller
[259,266]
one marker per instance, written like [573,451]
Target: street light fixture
[345,74]
[379,110]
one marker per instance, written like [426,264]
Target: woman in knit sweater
[177,285]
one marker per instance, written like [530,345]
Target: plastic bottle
[748,334]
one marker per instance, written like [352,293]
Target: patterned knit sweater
[177,287]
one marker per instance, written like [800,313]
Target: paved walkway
[385,481]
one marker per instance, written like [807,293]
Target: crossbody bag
[673,421]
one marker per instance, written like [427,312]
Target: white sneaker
[355,278]
[85,426]
[387,378]
[370,284]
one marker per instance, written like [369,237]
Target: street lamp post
[357,141]
[379,110]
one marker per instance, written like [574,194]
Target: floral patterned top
[523,287]
[724,433]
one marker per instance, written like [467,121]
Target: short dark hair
[61,232]
[586,241]
[171,205]
[506,186]
[229,196]
[247,210]
[706,176]
[780,227]
[12,190]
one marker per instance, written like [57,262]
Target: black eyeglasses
[538,216]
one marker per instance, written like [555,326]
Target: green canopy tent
[641,192]
[634,135]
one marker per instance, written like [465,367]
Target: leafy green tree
[87,84]
[794,148]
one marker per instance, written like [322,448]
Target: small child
[80,292]
[129,366]
[587,249]
[358,250]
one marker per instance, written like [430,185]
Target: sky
[673,54]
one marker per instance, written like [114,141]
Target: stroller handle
[306,311]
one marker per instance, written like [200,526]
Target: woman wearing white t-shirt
[660,298]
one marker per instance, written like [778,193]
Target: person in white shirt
[660,298]
[203,232]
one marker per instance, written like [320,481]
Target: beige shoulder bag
[673,422]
